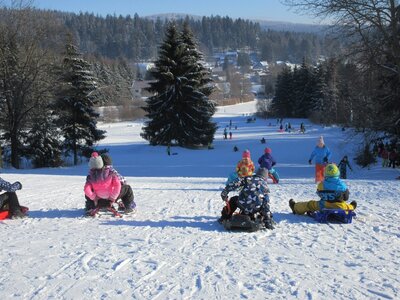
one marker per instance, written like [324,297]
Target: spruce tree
[180,111]
[44,145]
[76,100]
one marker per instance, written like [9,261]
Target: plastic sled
[273,174]
[337,215]
[4,214]
[243,222]
[104,207]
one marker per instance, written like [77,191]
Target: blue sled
[339,215]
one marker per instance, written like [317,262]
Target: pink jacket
[102,184]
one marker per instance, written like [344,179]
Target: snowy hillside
[173,248]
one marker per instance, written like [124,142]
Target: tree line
[361,87]
[137,38]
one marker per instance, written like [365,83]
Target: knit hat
[331,170]
[246,154]
[106,159]
[95,161]
[321,142]
[268,150]
[262,172]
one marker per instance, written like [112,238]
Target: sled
[273,175]
[104,207]
[4,214]
[332,214]
[243,222]
[103,211]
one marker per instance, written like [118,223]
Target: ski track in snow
[173,248]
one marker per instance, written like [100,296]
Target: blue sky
[271,10]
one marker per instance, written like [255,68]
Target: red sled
[4,214]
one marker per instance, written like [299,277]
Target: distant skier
[302,128]
[333,193]
[343,164]
[322,156]
[253,197]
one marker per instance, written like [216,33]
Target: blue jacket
[267,161]
[332,189]
[253,194]
[320,154]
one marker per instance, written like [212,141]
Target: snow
[173,248]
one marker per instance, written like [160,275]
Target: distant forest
[138,38]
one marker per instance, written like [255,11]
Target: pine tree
[44,145]
[282,104]
[180,111]
[76,100]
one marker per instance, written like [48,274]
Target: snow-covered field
[173,248]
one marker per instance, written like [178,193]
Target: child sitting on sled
[126,194]
[102,184]
[9,203]
[267,161]
[332,191]
[253,197]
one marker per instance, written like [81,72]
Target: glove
[17,185]
[224,195]
[325,159]
[309,161]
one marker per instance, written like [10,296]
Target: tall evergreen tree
[180,111]
[76,100]
[282,103]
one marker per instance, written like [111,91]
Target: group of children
[253,190]
[105,186]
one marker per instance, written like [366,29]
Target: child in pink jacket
[102,182]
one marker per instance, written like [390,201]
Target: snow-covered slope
[173,248]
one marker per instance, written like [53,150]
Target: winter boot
[18,214]
[291,204]
[268,221]
[354,203]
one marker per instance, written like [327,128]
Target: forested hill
[137,38]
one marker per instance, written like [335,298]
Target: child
[267,161]
[101,183]
[344,163]
[245,166]
[253,197]
[333,193]
[126,194]
[322,155]
[9,200]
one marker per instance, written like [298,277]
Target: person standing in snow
[344,163]
[267,161]
[102,184]
[322,155]
[333,193]
[9,200]
[253,197]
